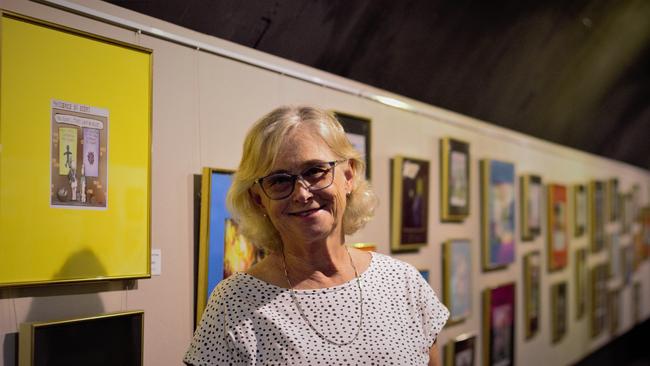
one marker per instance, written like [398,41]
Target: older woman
[299,190]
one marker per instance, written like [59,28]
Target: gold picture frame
[532,293]
[409,203]
[531,204]
[461,350]
[580,210]
[358,129]
[455,180]
[557,227]
[499,324]
[457,279]
[559,311]
[597,210]
[581,286]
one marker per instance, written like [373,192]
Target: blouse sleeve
[434,314]
[212,343]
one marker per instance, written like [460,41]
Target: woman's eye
[314,172]
[278,180]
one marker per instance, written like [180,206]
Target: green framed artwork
[531,203]
[76,155]
[409,203]
[454,180]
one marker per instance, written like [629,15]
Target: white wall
[203,105]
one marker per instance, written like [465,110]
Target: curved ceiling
[573,72]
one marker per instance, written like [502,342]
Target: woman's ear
[349,174]
[256,198]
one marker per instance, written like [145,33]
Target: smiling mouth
[306,212]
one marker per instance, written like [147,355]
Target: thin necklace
[302,313]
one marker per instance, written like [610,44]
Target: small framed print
[615,259]
[597,204]
[559,299]
[454,180]
[461,351]
[614,310]
[357,129]
[558,228]
[532,276]
[581,282]
[612,196]
[457,278]
[497,213]
[366,247]
[499,325]
[598,299]
[531,191]
[579,210]
[409,204]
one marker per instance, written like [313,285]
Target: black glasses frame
[294,178]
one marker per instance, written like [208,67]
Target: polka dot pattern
[250,322]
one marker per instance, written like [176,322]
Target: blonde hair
[261,147]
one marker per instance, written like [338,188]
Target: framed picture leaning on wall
[531,204]
[358,129]
[579,210]
[558,228]
[559,310]
[409,203]
[532,293]
[454,180]
[499,325]
[457,278]
[461,351]
[497,213]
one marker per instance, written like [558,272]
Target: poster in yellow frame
[41,242]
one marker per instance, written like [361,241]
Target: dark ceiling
[573,72]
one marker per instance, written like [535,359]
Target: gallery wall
[203,105]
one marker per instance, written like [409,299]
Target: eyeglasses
[279,186]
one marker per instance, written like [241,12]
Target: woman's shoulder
[387,262]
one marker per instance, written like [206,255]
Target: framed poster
[461,351]
[581,282]
[222,249]
[457,278]
[409,204]
[530,198]
[597,204]
[598,299]
[497,213]
[579,210]
[499,325]
[532,293]
[357,129]
[559,310]
[614,310]
[612,195]
[558,228]
[454,180]
[75,161]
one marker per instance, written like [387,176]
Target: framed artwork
[598,299]
[559,310]
[357,129]
[579,209]
[532,277]
[597,204]
[531,191]
[223,251]
[409,204]
[75,160]
[581,282]
[461,351]
[454,180]
[636,302]
[366,247]
[497,213]
[615,259]
[644,232]
[457,278]
[614,305]
[499,325]
[627,263]
[612,194]
[558,228]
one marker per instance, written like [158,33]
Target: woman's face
[305,215]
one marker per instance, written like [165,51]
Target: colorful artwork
[558,237]
[410,204]
[239,253]
[498,213]
[499,329]
[559,309]
[454,180]
[461,351]
[457,281]
[579,210]
[531,206]
[532,278]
